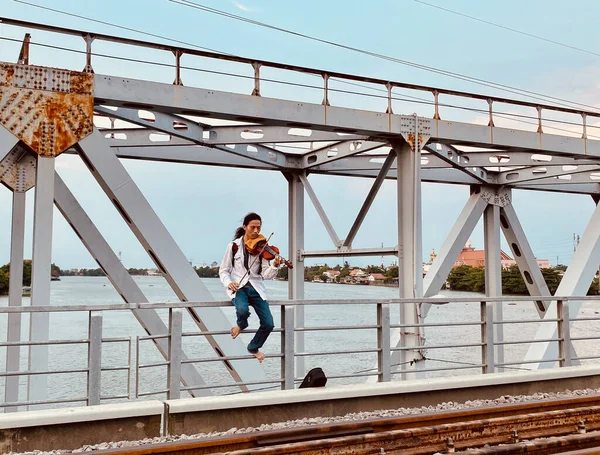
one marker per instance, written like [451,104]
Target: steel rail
[415,434]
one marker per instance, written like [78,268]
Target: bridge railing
[537,113]
[343,347]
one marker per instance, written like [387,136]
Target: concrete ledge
[198,415]
[71,428]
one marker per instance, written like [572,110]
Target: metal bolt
[515,436]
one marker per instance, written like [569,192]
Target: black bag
[314,378]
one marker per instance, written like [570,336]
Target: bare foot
[235,331]
[259,355]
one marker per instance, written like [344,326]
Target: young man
[242,275]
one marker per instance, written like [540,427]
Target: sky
[201,206]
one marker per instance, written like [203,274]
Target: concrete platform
[71,428]
[189,416]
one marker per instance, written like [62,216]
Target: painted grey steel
[320,211]
[175,345]
[493,273]
[15,297]
[409,249]
[524,257]
[288,350]
[39,325]
[452,246]
[94,358]
[259,134]
[369,199]
[500,160]
[454,158]
[576,281]
[295,246]
[119,277]
[156,240]
[162,97]
[348,252]
[487,337]
[383,343]
[540,173]
[564,333]
[338,151]
[7,142]
[186,129]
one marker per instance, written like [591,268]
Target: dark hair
[239,232]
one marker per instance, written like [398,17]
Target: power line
[66,13]
[514,30]
[495,85]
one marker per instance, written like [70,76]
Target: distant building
[332,274]
[376,278]
[476,258]
[154,272]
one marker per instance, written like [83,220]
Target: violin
[260,246]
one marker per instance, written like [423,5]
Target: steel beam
[39,326]
[15,298]
[524,257]
[7,142]
[186,129]
[510,158]
[337,151]
[120,278]
[320,211]
[541,172]
[163,97]
[410,256]
[576,281]
[350,252]
[156,240]
[452,246]
[260,134]
[296,245]
[369,199]
[493,278]
[453,157]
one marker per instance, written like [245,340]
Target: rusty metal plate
[48,109]
[17,169]
[415,130]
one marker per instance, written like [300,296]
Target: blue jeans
[244,298]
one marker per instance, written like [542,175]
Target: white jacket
[227,273]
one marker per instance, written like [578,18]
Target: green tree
[3,282]
[26,271]
[282,273]
[512,281]
[552,277]
[54,270]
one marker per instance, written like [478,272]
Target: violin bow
[254,260]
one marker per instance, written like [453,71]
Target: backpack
[314,378]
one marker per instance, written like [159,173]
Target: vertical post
[287,346]
[40,275]
[564,334]
[487,337]
[175,342]
[325,91]
[296,245]
[384,368]
[539,111]
[15,298]
[88,53]
[256,67]
[178,80]
[436,104]
[493,272]
[410,268]
[491,113]
[94,358]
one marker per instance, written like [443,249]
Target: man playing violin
[242,274]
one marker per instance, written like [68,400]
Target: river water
[116,324]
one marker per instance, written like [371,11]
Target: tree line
[468,278]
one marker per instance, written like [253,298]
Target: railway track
[543,427]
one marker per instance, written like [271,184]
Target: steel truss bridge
[47,111]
